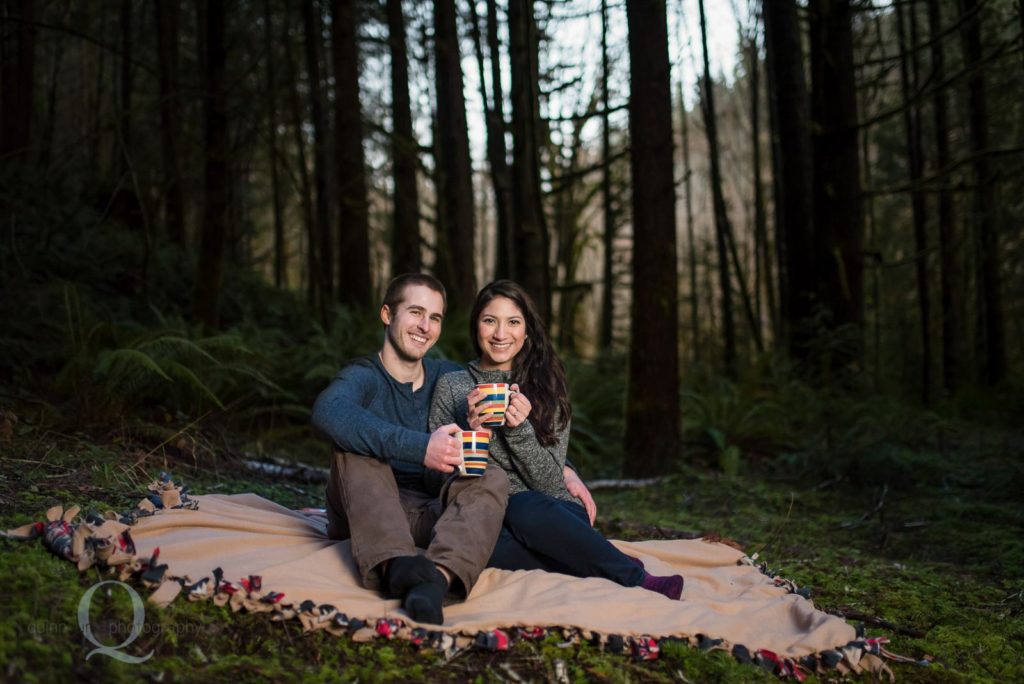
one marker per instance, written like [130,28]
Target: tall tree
[503,174]
[838,215]
[572,198]
[46,149]
[494,120]
[652,402]
[354,284]
[530,255]
[98,99]
[167,12]
[763,275]
[608,210]
[325,250]
[792,177]
[215,177]
[915,158]
[405,235]
[949,258]
[718,201]
[456,251]
[691,243]
[123,144]
[991,343]
[310,273]
[17,77]
[280,278]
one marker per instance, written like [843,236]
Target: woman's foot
[670,586]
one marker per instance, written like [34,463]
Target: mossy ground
[928,539]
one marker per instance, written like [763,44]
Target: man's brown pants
[458,529]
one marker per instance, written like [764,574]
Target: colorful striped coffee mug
[475,445]
[493,402]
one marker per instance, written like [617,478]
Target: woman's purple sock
[670,586]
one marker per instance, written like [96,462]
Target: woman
[545,526]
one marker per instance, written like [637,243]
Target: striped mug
[475,445]
[493,403]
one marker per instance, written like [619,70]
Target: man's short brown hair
[395,293]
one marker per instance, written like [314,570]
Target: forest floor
[929,551]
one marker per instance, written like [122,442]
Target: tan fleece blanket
[247,535]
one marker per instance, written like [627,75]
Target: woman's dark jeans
[544,533]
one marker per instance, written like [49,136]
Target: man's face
[415,324]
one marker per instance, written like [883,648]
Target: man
[390,489]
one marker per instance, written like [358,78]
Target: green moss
[940,554]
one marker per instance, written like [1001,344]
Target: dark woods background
[202,201]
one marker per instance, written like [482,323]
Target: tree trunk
[50,122]
[949,244]
[565,240]
[123,145]
[310,274]
[530,266]
[792,183]
[992,345]
[215,143]
[764,277]
[494,119]
[652,404]
[838,219]
[97,99]
[608,234]
[355,288]
[1020,16]
[405,236]
[912,130]
[325,251]
[457,252]
[17,77]
[718,201]
[503,174]
[572,198]
[280,276]
[691,243]
[167,12]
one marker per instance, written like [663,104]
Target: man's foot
[423,602]
[406,572]
[670,586]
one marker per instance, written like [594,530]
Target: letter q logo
[138,620]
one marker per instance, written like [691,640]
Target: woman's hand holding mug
[518,408]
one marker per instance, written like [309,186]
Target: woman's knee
[530,501]
[529,512]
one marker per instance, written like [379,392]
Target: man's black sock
[405,572]
[423,602]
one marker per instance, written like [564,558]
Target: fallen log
[292,470]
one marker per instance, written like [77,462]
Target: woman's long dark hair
[536,367]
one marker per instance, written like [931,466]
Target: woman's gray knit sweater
[529,464]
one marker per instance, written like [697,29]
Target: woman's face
[501,331]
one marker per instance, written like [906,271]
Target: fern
[174,346]
[195,386]
[128,367]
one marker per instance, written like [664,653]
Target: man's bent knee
[493,483]
[495,479]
